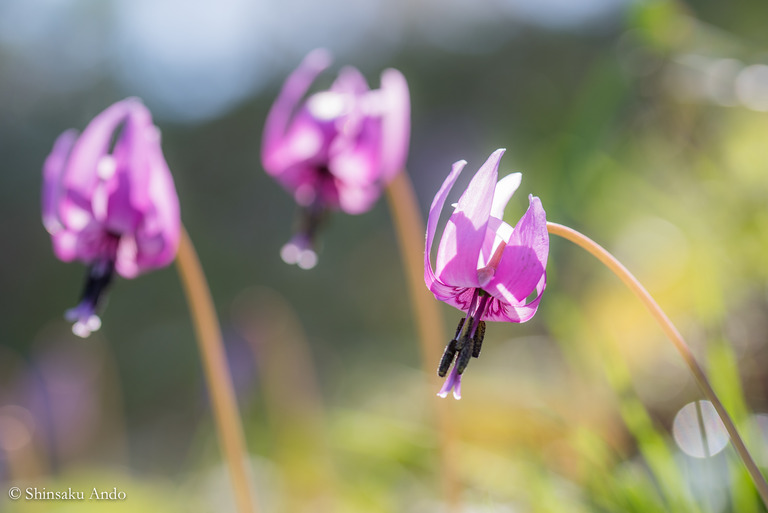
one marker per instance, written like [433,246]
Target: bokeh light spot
[698,430]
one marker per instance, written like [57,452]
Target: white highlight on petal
[99,202]
[75,218]
[52,225]
[106,167]
[328,105]
[127,253]
[66,241]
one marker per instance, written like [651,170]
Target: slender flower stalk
[409,229]
[669,329]
[218,377]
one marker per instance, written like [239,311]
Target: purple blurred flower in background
[336,149]
[484,266]
[109,202]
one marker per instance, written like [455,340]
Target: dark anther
[458,328]
[464,355]
[447,359]
[477,340]
[450,351]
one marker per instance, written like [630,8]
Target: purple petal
[64,245]
[350,81]
[128,185]
[156,238]
[458,297]
[396,124]
[91,243]
[434,216]
[502,311]
[355,199]
[81,176]
[282,110]
[53,170]
[358,160]
[497,232]
[523,263]
[462,240]
[306,142]
[503,193]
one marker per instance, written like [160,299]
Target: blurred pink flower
[336,149]
[109,202]
[484,266]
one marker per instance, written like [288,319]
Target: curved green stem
[669,329]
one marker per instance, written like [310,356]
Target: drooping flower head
[335,149]
[109,201]
[484,267]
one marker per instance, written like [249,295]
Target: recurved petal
[357,199]
[434,216]
[282,110]
[502,311]
[503,193]
[497,232]
[305,141]
[350,81]
[129,184]
[531,230]
[142,141]
[52,174]
[356,160]
[64,245]
[82,171]
[157,237]
[459,250]
[521,269]
[396,123]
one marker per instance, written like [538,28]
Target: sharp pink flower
[335,149]
[109,201]
[484,267]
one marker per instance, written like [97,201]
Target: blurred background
[641,123]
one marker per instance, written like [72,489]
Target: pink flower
[336,149]
[484,266]
[109,202]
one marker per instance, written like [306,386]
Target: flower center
[484,274]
